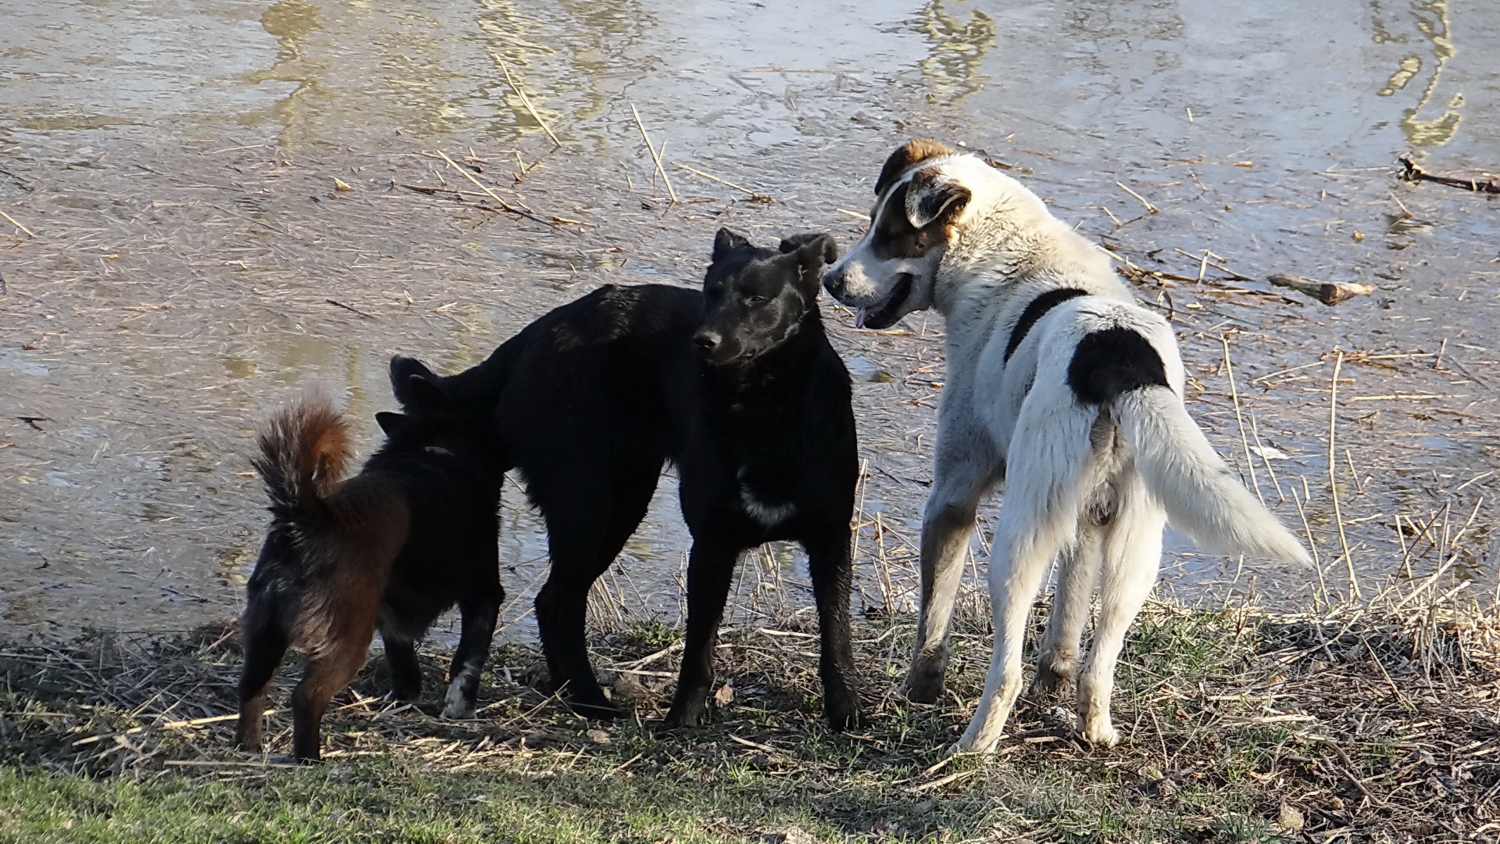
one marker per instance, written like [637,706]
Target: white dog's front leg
[947,523]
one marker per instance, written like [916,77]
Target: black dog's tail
[304,450]
[478,386]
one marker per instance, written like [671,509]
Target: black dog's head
[434,421]
[756,299]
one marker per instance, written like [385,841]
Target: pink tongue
[860,316]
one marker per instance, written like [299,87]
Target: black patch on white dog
[1111,362]
[1035,311]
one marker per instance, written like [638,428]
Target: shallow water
[194,265]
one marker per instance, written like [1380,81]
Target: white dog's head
[935,203]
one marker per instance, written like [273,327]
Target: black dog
[740,388]
[393,547]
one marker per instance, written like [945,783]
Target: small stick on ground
[1150,209]
[349,308]
[1270,470]
[1327,292]
[754,196]
[526,101]
[17,223]
[1333,484]
[655,156]
[1239,420]
[504,206]
[1410,172]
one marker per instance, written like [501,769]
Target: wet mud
[212,212]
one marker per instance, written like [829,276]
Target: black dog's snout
[833,282]
[706,340]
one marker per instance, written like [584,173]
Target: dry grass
[1359,725]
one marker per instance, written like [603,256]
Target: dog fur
[391,548]
[1061,386]
[739,387]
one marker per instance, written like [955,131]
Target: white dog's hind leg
[1018,562]
[1051,457]
[1132,553]
[1077,576]
[947,524]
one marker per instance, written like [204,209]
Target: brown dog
[391,548]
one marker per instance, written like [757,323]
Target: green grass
[1229,719]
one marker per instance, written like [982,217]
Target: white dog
[1059,380]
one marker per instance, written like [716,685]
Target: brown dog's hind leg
[327,672]
[265,643]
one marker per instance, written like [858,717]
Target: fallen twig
[1327,292]
[349,308]
[754,196]
[1150,209]
[525,100]
[17,224]
[506,206]
[1410,172]
[655,156]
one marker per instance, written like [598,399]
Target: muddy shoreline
[190,272]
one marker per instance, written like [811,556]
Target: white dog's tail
[1200,494]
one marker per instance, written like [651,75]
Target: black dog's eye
[757,299]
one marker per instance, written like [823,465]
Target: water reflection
[290,22]
[958,49]
[1430,18]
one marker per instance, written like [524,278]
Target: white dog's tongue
[860,316]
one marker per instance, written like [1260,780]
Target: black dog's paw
[691,715]
[924,679]
[403,695]
[844,716]
[599,709]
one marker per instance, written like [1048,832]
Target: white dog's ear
[932,196]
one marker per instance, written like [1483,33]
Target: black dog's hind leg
[266,642]
[401,659]
[829,565]
[710,571]
[479,613]
[585,531]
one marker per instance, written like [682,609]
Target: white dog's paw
[1101,733]
[973,743]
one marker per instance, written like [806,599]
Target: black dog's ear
[425,395]
[391,423]
[726,241]
[810,252]
[932,196]
[402,370]
[823,241]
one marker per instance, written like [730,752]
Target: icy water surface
[195,264]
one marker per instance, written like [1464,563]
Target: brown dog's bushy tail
[304,450]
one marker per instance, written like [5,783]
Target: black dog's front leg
[401,658]
[829,564]
[479,613]
[710,570]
